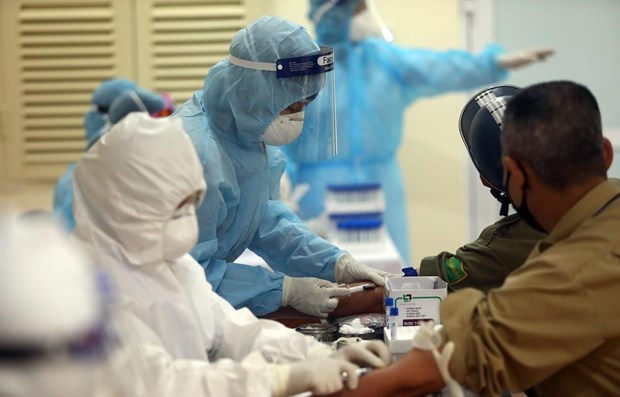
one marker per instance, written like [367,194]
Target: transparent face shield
[365,22]
[380,26]
[312,81]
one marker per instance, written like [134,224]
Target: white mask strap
[138,101]
[322,10]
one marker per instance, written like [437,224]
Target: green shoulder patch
[454,270]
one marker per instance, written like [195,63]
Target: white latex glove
[428,337]
[373,354]
[320,376]
[519,59]
[349,270]
[311,295]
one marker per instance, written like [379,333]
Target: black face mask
[524,211]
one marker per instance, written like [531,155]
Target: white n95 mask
[363,25]
[284,129]
[180,233]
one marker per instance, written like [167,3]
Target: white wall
[586,37]
[432,156]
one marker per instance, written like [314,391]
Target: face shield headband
[318,137]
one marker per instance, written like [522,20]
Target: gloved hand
[349,270]
[515,60]
[311,295]
[321,376]
[428,337]
[373,354]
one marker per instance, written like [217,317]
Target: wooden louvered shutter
[55,53]
[179,40]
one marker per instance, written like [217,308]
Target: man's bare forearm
[415,374]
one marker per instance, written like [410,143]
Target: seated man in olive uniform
[504,245]
[555,322]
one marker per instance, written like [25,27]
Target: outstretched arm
[415,374]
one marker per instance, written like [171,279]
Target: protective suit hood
[248,100]
[332,20]
[110,103]
[151,175]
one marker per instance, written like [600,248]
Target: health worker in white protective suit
[136,192]
[55,338]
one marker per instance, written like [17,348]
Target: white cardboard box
[402,343]
[383,257]
[417,299]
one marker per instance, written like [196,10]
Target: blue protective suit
[375,82]
[241,208]
[110,102]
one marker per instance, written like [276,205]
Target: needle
[360,288]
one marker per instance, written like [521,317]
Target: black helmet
[480,125]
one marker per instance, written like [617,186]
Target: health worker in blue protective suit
[111,101]
[252,102]
[376,81]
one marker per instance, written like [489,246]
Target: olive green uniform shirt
[485,263]
[555,322]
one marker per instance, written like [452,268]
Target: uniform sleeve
[486,262]
[474,265]
[426,72]
[288,245]
[513,338]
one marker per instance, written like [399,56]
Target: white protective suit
[55,340]
[194,343]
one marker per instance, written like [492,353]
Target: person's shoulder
[511,227]
[513,221]
[188,261]
[509,220]
[503,223]
[595,235]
